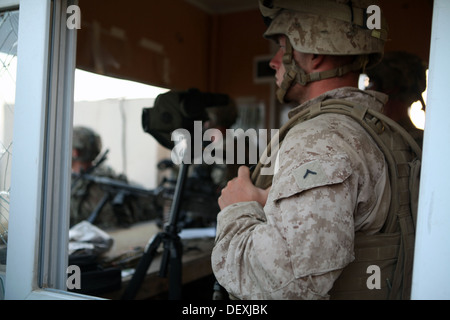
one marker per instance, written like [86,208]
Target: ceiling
[224,6]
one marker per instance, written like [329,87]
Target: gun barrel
[116,184]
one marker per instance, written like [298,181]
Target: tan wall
[163,43]
[410,25]
[239,41]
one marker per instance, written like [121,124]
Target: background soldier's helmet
[401,75]
[329,27]
[87,142]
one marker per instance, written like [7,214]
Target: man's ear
[316,61]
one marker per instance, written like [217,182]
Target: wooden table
[196,259]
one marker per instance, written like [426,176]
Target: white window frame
[40,173]
[431,275]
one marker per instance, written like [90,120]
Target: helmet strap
[295,74]
[291,72]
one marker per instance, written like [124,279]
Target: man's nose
[275,61]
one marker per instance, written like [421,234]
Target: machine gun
[198,207]
[116,191]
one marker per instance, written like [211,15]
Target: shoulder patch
[310,175]
[322,172]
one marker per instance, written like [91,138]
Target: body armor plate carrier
[391,249]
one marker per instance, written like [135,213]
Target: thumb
[244,172]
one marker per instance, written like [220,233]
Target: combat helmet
[88,142]
[327,27]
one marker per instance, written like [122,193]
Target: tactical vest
[392,249]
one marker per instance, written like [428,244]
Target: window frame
[42,135]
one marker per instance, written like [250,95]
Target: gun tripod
[171,259]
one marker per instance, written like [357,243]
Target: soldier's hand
[241,189]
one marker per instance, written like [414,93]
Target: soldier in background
[402,76]
[87,196]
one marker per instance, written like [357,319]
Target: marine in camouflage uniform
[87,195]
[293,240]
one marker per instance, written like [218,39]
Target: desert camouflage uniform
[332,181]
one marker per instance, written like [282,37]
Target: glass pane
[9,22]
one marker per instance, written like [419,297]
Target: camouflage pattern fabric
[332,181]
[416,133]
[335,27]
[87,195]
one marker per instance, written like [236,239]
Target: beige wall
[131,151]
[163,43]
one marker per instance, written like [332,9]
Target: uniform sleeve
[294,247]
[242,258]
[297,245]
